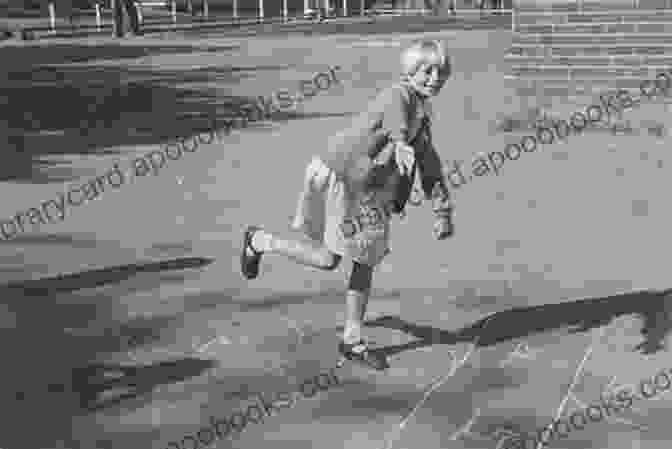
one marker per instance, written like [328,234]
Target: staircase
[565,53]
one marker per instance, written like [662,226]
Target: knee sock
[355,302]
[262,241]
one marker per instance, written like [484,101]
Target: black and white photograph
[335,224]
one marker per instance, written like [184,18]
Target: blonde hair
[423,52]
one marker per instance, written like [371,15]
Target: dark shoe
[360,353]
[249,263]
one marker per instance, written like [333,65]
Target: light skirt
[327,214]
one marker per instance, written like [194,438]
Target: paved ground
[558,247]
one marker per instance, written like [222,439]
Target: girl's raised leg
[257,242]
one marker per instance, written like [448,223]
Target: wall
[591,4]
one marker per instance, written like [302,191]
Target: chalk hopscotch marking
[435,385]
[571,395]
[609,389]
[196,349]
[575,379]
[293,324]
[466,429]
[220,339]
[521,351]
[300,334]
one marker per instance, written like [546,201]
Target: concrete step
[625,82]
[560,39]
[542,18]
[532,86]
[605,27]
[564,72]
[593,60]
[564,91]
[584,90]
[591,50]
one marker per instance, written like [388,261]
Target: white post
[138,8]
[284,10]
[99,21]
[345,8]
[261,9]
[173,10]
[206,9]
[52,17]
[235,9]
[513,17]
[305,5]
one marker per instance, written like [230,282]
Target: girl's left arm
[434,187]
[432,174]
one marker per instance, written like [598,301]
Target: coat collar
[425,104]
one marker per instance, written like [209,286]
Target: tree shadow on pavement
[98,277]
[74,111]
[580,316]
[130,382]
[60,349]
[64,108]
[25,57]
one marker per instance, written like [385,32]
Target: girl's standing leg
[356,299]
[353,346]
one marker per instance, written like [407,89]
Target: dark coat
[363,157]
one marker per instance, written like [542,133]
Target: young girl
[353,188]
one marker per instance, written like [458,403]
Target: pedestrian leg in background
[118,7]
[118,16]
[66,7]
[433,6]
[437,6]
[132,12]
[497,5]
[312,10]
[451,5]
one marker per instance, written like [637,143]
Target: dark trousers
[494,4]
[118,12]
[436,6]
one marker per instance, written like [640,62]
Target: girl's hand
[443,212]
[404,156]
[443,227]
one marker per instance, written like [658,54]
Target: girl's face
[430,78]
